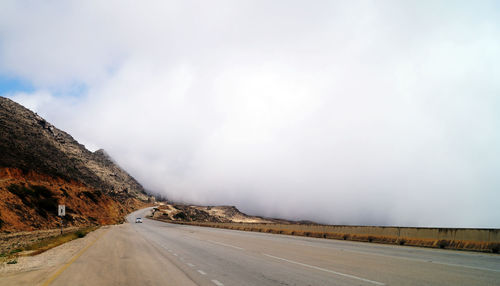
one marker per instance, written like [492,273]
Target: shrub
[12,262]
[42,191]
[63,190]
[38,197]
[23,193]
[48,204]
[180,215]
[16,251]
[91,196]
[69,210]
[20,191]
[80,233]
[443,243]
[495,248]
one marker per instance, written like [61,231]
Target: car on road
[138,220]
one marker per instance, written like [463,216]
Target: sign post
[61,211]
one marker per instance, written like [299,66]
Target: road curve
[157,253]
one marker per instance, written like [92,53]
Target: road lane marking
[175,254]
[465,266]
[65,266]
[190,264]
[217,283]
[422,260]
[326,270]
[202,272]
[399,257]
[225,244]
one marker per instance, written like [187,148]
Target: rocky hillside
[191,213]
[41,166]
[30,143]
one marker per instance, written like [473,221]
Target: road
[157,253]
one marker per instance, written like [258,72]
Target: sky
[340,112]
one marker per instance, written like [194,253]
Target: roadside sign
[61,210]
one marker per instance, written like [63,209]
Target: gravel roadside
[42,265]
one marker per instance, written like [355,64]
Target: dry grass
[307,230]
[45,244]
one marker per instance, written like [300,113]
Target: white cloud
[344,112]
[35,101]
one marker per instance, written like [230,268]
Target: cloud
[348,112]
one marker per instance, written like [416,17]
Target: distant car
[138,220]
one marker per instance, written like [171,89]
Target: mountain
[42,166]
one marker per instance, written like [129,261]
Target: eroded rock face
[30,143]
[29,200]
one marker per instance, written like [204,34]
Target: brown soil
[28,201]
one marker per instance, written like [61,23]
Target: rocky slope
[191,213]
[42,166]
[31,143]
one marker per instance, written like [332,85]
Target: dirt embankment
[28,201]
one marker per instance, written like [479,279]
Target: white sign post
[61,211]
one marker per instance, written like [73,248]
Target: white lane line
[402,258]
[190,264]
[224,244]
[326,270]
[465,266]
[175,254]
[202,272]
[217,283]
[424,260]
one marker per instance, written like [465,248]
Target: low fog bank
[341,113]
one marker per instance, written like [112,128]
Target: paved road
[157,253]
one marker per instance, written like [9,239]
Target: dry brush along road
[158,253]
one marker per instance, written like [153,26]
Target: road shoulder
[34,270]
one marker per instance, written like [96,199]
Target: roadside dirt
[17,240]
[44,264]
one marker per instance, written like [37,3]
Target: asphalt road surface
[157,253]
